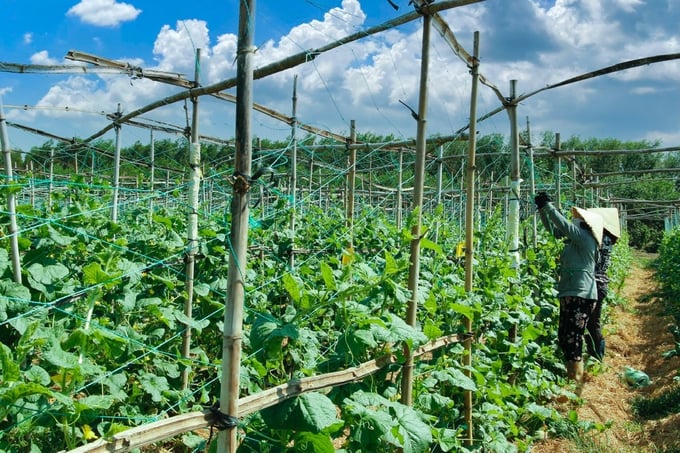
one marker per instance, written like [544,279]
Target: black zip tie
[220,420]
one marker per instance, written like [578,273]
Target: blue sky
[535,42]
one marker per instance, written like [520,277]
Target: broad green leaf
[60,358]
[10,396]
[38,375]
[306,442]
[447,439]
[465,310]
[391,266]
[455,377]
[197,324]
[4,260]
[59,238]
[410,431]
[14,298]
[426,243]
[93,274]
[154,385]
[292,287]
[115,384]
[202,289]
[328,277]
[93,402]
[10,369]
[47,275]
[311,412]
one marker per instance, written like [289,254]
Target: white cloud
[28,38]
[43,58]
[175,48]
[104,13]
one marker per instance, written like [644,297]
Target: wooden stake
[233,313]
[469,232]
[414,268]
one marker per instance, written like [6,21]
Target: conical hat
[611,220]
[594,221]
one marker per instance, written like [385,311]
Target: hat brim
[611,222]
[593,220]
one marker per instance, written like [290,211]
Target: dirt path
[637,333]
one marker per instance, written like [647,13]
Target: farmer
[612,231]
[576,287]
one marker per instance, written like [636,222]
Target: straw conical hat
[594,221]
[611,220]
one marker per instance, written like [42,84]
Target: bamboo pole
[233,313]
[558,170]
[192,224]
[438,200]
[532,181]
[152,173]
[293,175]
[469,234]
[11,199]
[116,171]
[515,180]
[414,268]
[400,190]
[50,187]
[351,183]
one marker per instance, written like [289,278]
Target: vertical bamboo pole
[513,206]
[440,169]
[167,188]
[11,198]
[116,170]
[233,313]
[50,188]
[574,188]
[32,184]
[400,192]
[152,174]
[558,170]
[460,198]
[414,268]
[192,223]
[532,180]
[469,232]
[293,174]
[351,182]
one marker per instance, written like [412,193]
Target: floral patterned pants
[574,314]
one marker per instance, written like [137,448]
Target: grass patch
[658,406]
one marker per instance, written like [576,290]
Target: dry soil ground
[637,334]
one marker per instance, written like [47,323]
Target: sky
[370,81]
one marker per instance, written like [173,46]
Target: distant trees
[380,166]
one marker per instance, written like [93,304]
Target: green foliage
[89,343]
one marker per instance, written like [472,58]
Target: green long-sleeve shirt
[577,261]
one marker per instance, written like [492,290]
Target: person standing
[595,345]
[576,288]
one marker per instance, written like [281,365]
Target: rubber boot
[601,350]
[575,373]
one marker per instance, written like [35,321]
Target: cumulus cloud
[104,13]
[43,58]
[28,38]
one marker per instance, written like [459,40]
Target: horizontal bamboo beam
[149,433]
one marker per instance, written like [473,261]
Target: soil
[637,333]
